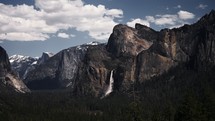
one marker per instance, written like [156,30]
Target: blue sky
[30,27]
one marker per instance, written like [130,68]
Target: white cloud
[72,35]
[52,16]
[184,15]
[165,20]
[63,35]
[114,13]
[150,19]
[202,6]
[22,36]
[177,7]
[138,20]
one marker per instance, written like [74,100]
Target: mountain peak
[211,15]
[212,12]
[18,58]
[125,40]
[208,17]
[141,27]
[45,56]
[50,54]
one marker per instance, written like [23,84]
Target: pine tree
[190,109]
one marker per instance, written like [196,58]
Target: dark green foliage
[190,110]
[179,95]
[134,112]
[60,106]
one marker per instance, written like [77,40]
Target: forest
[181,94]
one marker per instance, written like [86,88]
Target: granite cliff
[8,77]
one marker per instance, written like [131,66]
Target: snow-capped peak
[23,64]
[18,58]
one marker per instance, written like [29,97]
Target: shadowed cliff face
[93,74]
[7,77]
[4,61]
[59,71]
[131,54]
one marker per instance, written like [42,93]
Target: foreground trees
[179,95]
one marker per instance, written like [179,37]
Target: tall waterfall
[110,86]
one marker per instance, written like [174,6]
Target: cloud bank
[167,20]
[48,17]
[30,23]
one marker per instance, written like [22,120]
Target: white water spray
[110,86]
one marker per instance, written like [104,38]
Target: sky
[30,27]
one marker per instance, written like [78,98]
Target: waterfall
[110,86]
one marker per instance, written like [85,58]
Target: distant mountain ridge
[23,64]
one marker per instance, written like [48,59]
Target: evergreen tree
[190,110]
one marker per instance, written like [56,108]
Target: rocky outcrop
[125,41]
[7,76]
[45,56]
[131,54]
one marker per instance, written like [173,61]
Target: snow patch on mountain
[93,43]
[23,64]
[18,58]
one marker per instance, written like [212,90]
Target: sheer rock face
[7,77]
[94,73]
[134,54]
[59,71]
[197,41]
[45,56]
[125,41]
